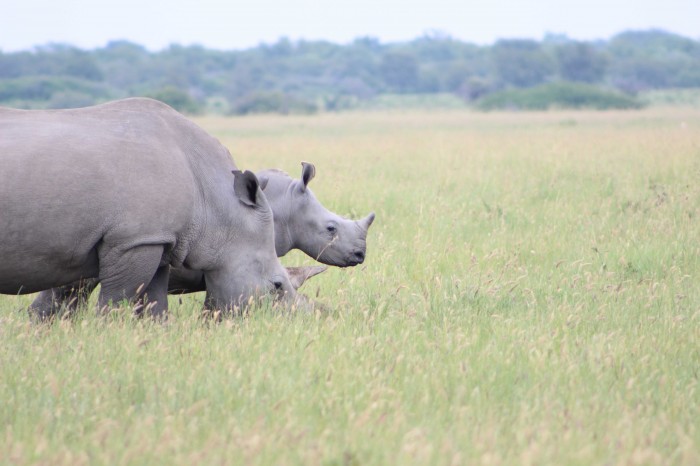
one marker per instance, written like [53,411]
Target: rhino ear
[308,171]
[262,179]
[298,275]
[246,185]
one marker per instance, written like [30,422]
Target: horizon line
[435,34]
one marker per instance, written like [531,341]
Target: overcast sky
[233,24]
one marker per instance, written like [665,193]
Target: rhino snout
[356,257]
[359,256]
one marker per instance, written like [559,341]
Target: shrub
[178,99]
[43,88]
[672,97]
[70,99]
[272,102]
[558,95]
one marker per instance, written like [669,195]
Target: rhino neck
[215,211]
[280,200]
[284,242]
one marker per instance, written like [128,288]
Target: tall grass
[529,297]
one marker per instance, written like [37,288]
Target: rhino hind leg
[155,296]
[62,300]
[128,274]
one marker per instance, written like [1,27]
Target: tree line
[307,76]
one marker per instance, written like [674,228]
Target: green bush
[672,98]
[70,99]
[178,99]
[558,95]
[44,88]
[272,102]
[435,101]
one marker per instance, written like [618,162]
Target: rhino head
[302,222]
[247,267]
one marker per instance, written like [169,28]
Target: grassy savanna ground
[530,297]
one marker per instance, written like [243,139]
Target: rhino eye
[278,285]
[331,229]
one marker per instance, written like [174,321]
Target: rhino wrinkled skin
[122,191]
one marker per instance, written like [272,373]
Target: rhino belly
[48,235]
[41,269]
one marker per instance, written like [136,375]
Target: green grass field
[530,296]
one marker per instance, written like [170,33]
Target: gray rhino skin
[122,191]
[301,222]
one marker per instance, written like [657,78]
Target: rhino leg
[128,274]
[68,298]
[156,293]
[45,305]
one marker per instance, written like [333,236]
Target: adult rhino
[301,222]
[121,192]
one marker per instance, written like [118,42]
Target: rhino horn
[367,221]
[298,275]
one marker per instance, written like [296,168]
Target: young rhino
[300,222]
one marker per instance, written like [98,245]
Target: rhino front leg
[45,305]
[127,274]
[68,298]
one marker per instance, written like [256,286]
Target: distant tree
[247,77]
[399,71]
[12,65]
[578,61]
[455,73]
[43,88]
[556,39]
[558,95]
[51,60]
[474,88]
[435,47]
[356,87]
[367,42]
[177,99]
[288,73]
[652,43]
[653,59]
[70,99]
[81,64]
[272,102]
[688,76]
[361,60]
[282,48]
[521,63]
[126,66]
[430,79]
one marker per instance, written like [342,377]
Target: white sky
[233,24]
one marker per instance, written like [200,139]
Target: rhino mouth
[339,258]
[355,258]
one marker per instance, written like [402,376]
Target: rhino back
[121,172]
